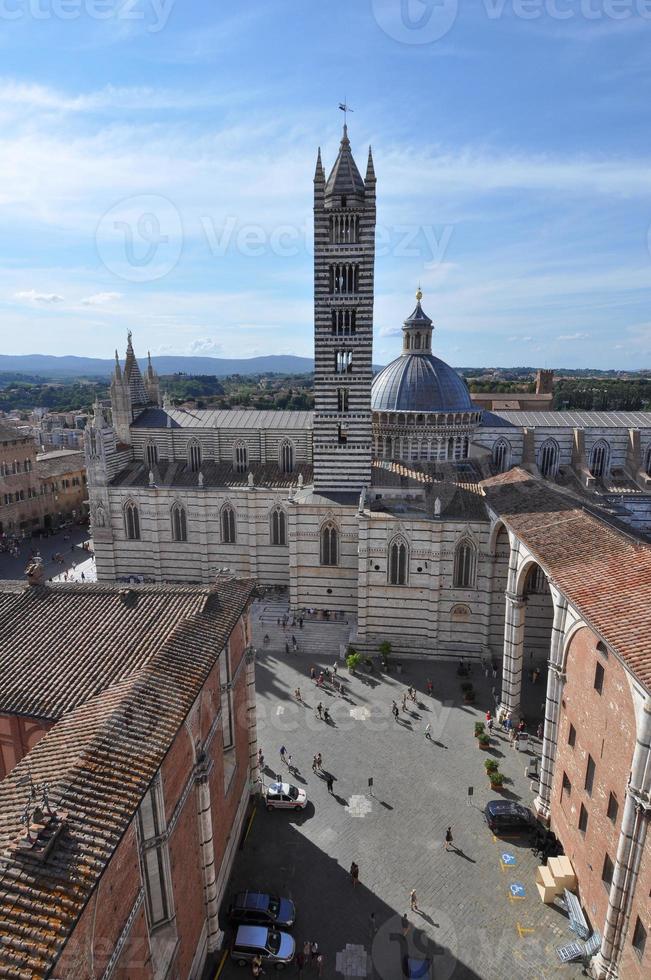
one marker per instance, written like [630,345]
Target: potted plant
[480,729]
[497,779]
[468,692]
[368,663]
[353,660]
[483,741]
[385,650]
[490,766]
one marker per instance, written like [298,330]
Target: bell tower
[344,261]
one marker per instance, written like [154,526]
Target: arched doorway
[538,622]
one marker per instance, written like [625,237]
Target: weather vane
[345,108]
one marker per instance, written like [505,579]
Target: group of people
[310,955]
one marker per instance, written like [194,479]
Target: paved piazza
[473,919]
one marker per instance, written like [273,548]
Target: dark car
[258,908]
[506,817]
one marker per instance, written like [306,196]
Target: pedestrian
[494,666]
[430,687]
[404,701]
[314,951]
[413,900]
[319,964]
[395,711]
[354,874]
[320,680]
[372,924]
[334,669]
[314,764]
[319,760]
[330,784]
[312,673]
[297,694]
[265,639]
[326,715]
[412,693]
[283,753]
[294,643]
[540,731]
[428,731]
[488,715]
[260,759]
[300,622]
[83,577]
[286,647]
[404,923]
[449,840]
[289,762]
[307,950]
[521,726]
[319,710]
[489,724]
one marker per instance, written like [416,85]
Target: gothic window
[548,458]
[398,562]
[287,457]
[344,278]
[179,523]
[501,455]
[228,524]
[194,456]
[132,521]
[154,856]
[151,454]
[343,361]
[342,399]
[329,545]
[465,565]
[600,459]
[240,457]
[278,526]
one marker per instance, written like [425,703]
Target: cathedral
[377,504]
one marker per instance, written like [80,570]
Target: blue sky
[156,163]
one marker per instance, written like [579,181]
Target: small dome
[419,383]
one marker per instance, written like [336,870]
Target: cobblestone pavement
[470,920]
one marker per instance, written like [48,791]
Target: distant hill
[68,366]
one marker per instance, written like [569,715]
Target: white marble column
[513,653]
[632,837]
[555,684]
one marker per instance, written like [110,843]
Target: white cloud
[101,299]
[205,346]
[390,331]
[574,336]
[521,340]
[33,297]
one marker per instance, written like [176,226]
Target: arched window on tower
[600,459]
[151,454]
[228,524]
[278,526]
[465,565]
[240,457]
[179,523]
[501,455]
[548,458]
[131,521]
[417,342]
[287,457]
[194,455]
[398,563]
[329,544]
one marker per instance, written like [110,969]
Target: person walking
[297,694]
[489,724]
[330,782]
[294,643]
[488,715]
[312,673]
[286,647]
[326,715]
[334,669]
[354,874]
[314,764]
[319,760]
[300,622]
[307,951]
[430,687]
[283,754]
[260,759]
[289,763]
[449,839]
[395,711]
[404,923]
[404,701]
[428,731]
[413,900]
[319,710]
[314,951]
[319,964]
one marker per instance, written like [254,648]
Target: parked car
[258,908]
[273,947]
[507,817]
[285,796]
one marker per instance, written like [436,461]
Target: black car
[506,817]
[258,908]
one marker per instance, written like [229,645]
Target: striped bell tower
[344,259]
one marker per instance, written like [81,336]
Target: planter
[497,787]
[468,698]
[484,745]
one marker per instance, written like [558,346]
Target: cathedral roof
[345,179]
[419,383]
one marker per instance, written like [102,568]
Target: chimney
[35,572]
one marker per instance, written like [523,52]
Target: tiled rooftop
[177,473]
[604,572]
[570,419]
[221,418]
[62,643]
[60,461]
[98,762]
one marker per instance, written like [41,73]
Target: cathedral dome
[417,381]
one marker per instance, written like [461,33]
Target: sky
[157,157]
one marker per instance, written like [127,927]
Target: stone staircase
[320,638]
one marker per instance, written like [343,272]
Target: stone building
[20,504]
[119,827]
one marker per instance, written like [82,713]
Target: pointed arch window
[329,544]
[151,453]
[398,562]
[240,457]
[179,523]
[465,565]
[501,455]
[194,456]
[228,524]
[548,456]
[600,459]
[287,457]
[278,527]
[132,521]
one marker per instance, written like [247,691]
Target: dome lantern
[417,330]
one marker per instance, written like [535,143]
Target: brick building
[20,504]
[62,476]
[138,789]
